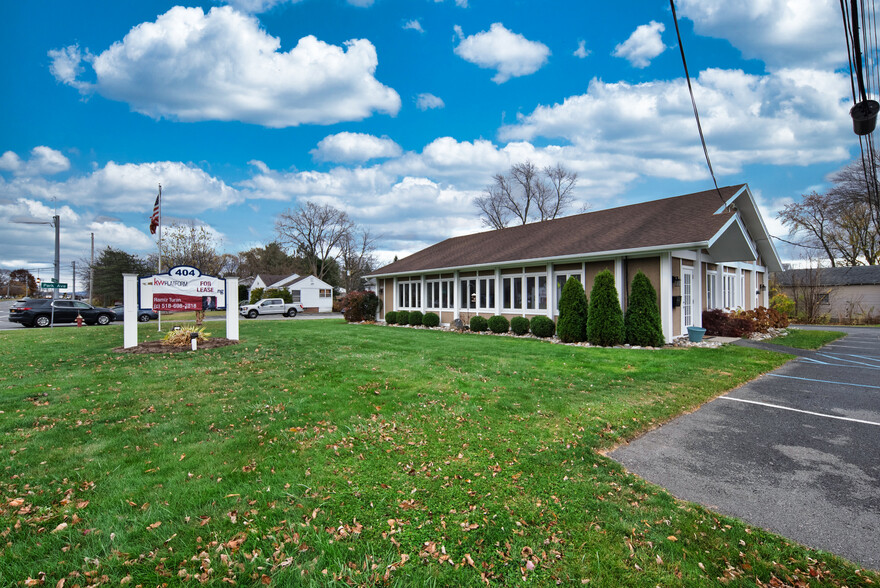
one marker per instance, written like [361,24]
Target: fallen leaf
[60,528]
[672,538]
[154,525]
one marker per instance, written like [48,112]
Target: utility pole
[92,269]
[73,296]
[57,221]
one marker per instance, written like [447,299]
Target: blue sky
[398,111]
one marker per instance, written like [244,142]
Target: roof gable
[677,222]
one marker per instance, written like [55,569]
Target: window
[432,295]
[536,292]
[824,298]
[512,292]
[711,289]
[487,294]
[296,295]
[325,293]
[469,293]
[409,294]
[447,293]
[728,290]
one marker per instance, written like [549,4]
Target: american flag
[154,220]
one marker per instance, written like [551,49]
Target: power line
[687,76]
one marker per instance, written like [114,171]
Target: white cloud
[43,161]
[414,25]
[354,147]
[192,66]
[259,6]
[511,54]
[428,101]
[582,51]
[643,45]
[782,33]
[791,117]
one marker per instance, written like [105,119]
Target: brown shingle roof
[679,220]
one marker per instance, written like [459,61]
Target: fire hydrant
[79,320]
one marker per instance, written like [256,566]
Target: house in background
[705,250]
[844,294]
[314,294]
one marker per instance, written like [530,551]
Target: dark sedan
[41,312]
[145,315]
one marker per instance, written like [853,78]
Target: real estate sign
[183,288]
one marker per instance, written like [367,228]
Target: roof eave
[558,258]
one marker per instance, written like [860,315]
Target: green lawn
[806,339]
[321,453]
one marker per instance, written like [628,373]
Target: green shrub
[431,319]
[542,326]
[360,306]
[642,324]
[256,295]
[782,304]
[402,317]
[415,317]
[242,293]
[391,317]
[478,324]
[605,320]
[519,325]
[571,326]
[498,324]
[281,293]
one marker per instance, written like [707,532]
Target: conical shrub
[571,327]
[642,323]
[605,320]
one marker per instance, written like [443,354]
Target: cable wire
[694,102]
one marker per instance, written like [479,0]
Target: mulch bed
[158,347]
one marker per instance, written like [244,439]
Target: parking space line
[824,381]
[818,414]
[819,362]
[832,356]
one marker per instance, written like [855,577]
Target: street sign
[52,285]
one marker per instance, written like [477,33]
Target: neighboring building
[702,250]
[844,294]
[314,294]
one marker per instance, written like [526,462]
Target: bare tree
[809,294]
[559,196]
[524,189]
[193,245]
[315,233]
[357,257]
[843,223]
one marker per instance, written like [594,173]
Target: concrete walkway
[796,451]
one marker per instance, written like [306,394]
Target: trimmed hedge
[642,324]
[391,317]
[542,326]
[431,319]
[415,318]
[743,322]
[499,324]
[571,326]
[519,325]
[402,317]
[478,324]
[605,322]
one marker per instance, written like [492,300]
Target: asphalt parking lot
[796,451]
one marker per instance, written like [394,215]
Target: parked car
[38,312]
[270,306]
[145,315]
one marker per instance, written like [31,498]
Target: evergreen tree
[605,320]
[642,322]
[108,269]
[572,324]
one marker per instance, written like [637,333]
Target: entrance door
[687,298]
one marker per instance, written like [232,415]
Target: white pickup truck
[270,306]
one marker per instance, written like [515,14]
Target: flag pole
[159,197]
